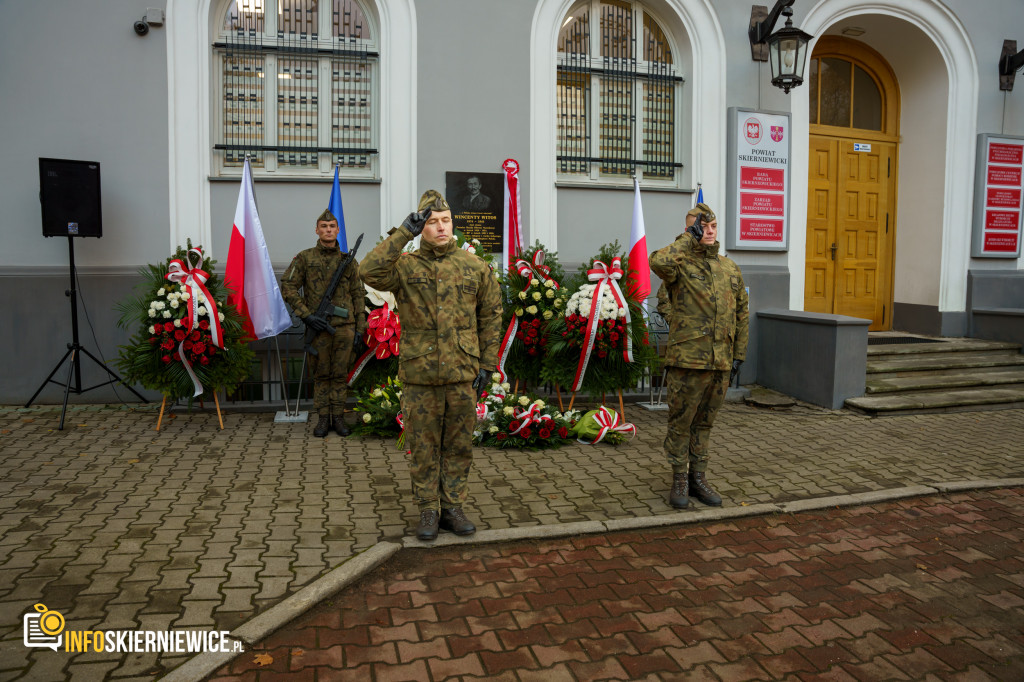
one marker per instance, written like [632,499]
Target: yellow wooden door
[863,234]
[850,229]
[819,282]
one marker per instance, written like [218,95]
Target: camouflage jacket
[312,270]
[449,305]
[709,316]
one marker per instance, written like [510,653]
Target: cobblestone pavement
[117,526]
[930,588]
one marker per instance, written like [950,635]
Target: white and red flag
[248,272]
[638,279]
[512,233]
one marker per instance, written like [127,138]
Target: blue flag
[336,209]
[700,197]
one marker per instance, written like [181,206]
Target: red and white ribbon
[512,233]
[193,281]
[610,421]
[482,411]
[382,334]
[530,415]
[523,268]
[604,276]
[536,263]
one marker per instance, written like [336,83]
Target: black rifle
[326,309]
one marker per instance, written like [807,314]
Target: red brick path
[927,588]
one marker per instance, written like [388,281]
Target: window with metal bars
[618,94]
[297,89]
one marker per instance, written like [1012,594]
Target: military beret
[326,215]
[704,209]
[433,200]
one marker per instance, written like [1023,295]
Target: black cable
[94,339]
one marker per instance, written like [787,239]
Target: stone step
[939,361]
[944,379]
[1011,396]
[943,346]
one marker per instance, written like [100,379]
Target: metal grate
[629,88]
[893,340]
[278,81]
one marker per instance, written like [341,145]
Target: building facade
[582,93]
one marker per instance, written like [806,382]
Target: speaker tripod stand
[75,351]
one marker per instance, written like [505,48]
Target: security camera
[141,27]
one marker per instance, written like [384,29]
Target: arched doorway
[851,195]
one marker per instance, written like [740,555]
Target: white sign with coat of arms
[758,180]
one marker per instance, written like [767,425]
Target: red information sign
[997,197]
[1006,153]
[763,204]
[1003,175]
[1001,241]
[761,230]
[1001,220]
[762,178]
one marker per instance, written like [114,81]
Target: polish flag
[638,279]
[248,272]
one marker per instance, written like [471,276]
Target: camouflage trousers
[331,367]
[694,398]
[439,423]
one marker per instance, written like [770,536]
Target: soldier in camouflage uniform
[311,270]
[707,343]
[450,307]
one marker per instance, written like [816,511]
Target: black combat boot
[340,427]
[701,491]
[427,530]
[677,496]
[322,426]
[455,521]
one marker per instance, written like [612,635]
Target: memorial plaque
[477,201]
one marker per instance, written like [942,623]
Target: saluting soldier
[311,271]
[707,343]
[450,307]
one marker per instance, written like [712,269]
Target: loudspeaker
[69,192]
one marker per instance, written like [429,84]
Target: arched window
[843,94]
[297,89]
[618,94]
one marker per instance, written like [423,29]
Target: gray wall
[78,83]
[473,104]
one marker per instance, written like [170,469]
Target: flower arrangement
[527,422]
[175,322]
[383,332]
[378,407]
[533,298]
[620,331]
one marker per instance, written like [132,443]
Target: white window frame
[594,175]
[324,168]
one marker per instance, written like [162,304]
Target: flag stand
[287,416]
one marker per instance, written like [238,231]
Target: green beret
[433,200]
[326,215]
[704,209]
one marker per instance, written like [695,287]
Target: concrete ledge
[960,486]
[508,535]
[803,317]
[858,498]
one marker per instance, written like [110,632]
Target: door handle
[833,250]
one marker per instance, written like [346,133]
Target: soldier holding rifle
[331,305]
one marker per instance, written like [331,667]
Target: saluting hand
[415,222]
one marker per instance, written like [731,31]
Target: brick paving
[118,526]
[929,588]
